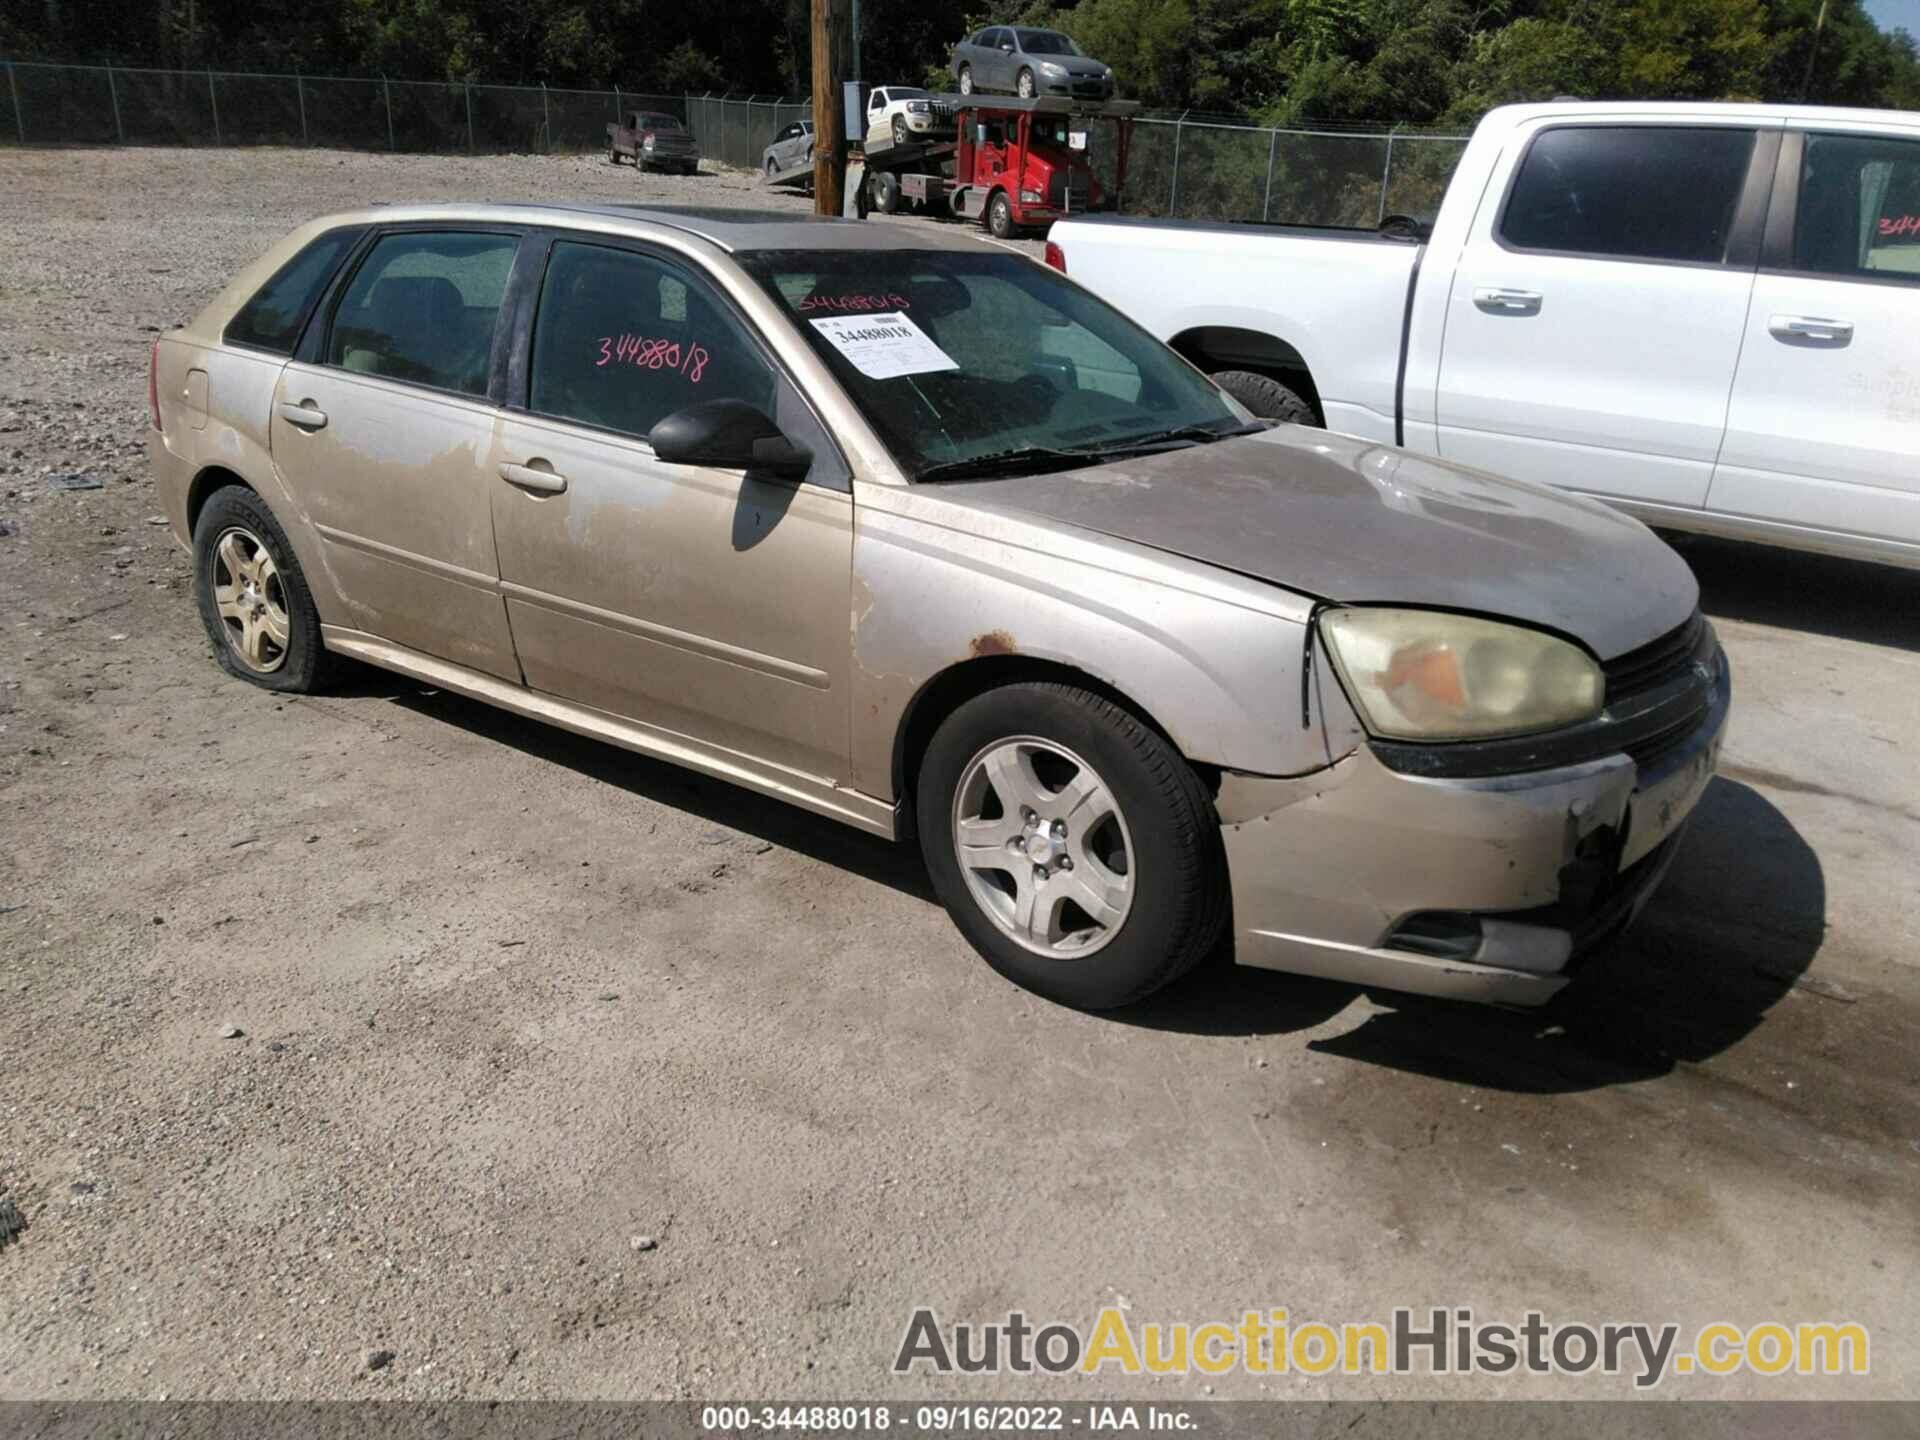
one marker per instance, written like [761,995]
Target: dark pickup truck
[653,139]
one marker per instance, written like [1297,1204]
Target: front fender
[1213,659]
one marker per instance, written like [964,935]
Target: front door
[1595,317]
[1824,428]
[384,439]
[709,604]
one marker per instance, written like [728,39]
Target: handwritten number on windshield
[689,359]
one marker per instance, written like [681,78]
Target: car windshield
[1047,42]
[970,362]
[659,122]
[905,92]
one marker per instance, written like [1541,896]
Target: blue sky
[1895,14]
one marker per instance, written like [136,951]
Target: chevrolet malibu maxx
[924,537]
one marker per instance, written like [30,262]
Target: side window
[422,307]
[1859,207]
[622,340]
[273,318]
[1636,191]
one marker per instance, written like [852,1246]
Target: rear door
[1595,318]
[382,431]
[709,604]
[1824,429]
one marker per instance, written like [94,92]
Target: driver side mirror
[728,435]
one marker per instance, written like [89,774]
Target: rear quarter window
[273,318]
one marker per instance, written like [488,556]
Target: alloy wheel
[1043,847]
[248,597]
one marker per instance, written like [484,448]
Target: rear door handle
[527,478]
[1496,300]
[1811,327]
[306,415]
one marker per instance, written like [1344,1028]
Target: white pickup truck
[1708,315]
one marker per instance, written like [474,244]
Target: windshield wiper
[1026,459]
[1156,439]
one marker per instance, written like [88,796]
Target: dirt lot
[512,1000]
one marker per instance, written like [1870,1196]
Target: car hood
[1346,520]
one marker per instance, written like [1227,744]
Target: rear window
[273,318]
[1639,192]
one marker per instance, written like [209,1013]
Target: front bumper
[1484,889]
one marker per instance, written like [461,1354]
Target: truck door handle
[306,415]
[527,478]
[1811,327]
[1497,301]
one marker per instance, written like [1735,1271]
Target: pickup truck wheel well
[957,684]
[213,478]
[1225,347]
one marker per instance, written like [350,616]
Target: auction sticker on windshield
[885,345]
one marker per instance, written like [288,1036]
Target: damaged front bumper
[1486,888]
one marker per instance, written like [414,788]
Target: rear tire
[1000,216]
[1266,397]
[253,598]
[613,156]
[886,193]
[1147,858]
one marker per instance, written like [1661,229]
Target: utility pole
[1813,52]
[830,37]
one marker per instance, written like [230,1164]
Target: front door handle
[1496,300]
[1812,328]
[306,415]
[528,478]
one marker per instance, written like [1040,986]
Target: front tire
[966,79]
[1267,397]
[886,193]
[900,136]
[253,598]
[1072,845]
[1000,216]
[1026,86]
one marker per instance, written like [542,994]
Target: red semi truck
[1013,164]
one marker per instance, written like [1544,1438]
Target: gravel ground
[381,1022]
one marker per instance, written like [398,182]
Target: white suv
[902,114]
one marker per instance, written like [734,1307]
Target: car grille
[1657,662]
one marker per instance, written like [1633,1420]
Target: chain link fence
[737,132]
[116,105]
[1189,166]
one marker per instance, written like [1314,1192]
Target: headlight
[1047,67]
[918,107]
[1428,675]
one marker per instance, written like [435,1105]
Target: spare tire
[1266,397]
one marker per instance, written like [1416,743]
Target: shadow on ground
[1739,919]
[895,866]
[1797,590]
[1737,922]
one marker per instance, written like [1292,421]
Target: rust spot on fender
[994,642]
